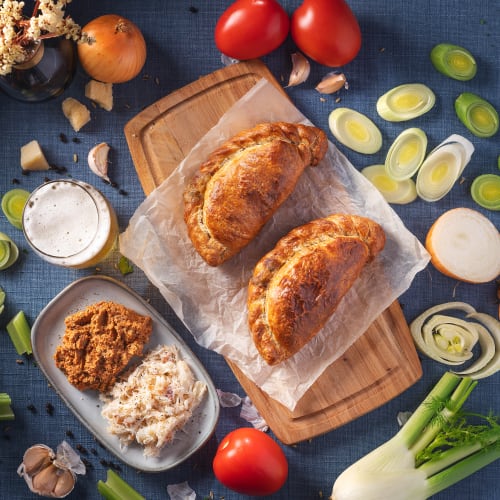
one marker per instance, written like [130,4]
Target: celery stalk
[115,488]
[20,333]
[6,412]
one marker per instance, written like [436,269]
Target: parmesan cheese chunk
[101,93]
[76,112]
[32,157]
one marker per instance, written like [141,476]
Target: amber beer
[70,223]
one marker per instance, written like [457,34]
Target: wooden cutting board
[379,366]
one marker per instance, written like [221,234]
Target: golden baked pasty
[297,286]
[243,182]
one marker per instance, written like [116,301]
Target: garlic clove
[98,160]
[45,481]
[332,82]
[65,483]
[36,458]
[300,69]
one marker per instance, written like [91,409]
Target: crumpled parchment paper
[211,302]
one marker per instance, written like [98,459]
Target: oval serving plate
[46,335]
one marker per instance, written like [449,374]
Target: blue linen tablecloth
[397,38]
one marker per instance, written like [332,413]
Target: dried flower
[20,34]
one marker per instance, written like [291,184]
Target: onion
[465,245]
[115,51]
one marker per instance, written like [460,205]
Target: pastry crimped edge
[312,145]
[362,234]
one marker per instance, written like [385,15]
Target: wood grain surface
[379,366]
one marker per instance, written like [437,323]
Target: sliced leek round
[405,102]
[442,167]
[355,130]
[477,114]
[9,252]
[454,61]
[399,192]
[485,191]
[13,202]
[406,154]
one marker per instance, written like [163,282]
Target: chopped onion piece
[454,61]
[406,154]
[485,191]
[465,245]
[477,114]
[355,130]
[442,167]
[400,192]
[405,102]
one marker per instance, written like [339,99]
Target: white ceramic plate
[46,335]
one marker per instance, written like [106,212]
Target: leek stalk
[434,449]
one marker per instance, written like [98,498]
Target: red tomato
[251,28]
[250,462]
[327,31]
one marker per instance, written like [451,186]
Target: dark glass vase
[48,71]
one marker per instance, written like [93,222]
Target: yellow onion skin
[116,52]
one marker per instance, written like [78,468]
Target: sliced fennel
[454,61]
[400,192]
[450,340]
[442,167]
[406,154]
[405,102]
[485,191]
[355,130]
[434,449]
[477,114]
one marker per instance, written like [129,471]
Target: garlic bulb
[51,474]
[98,160]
